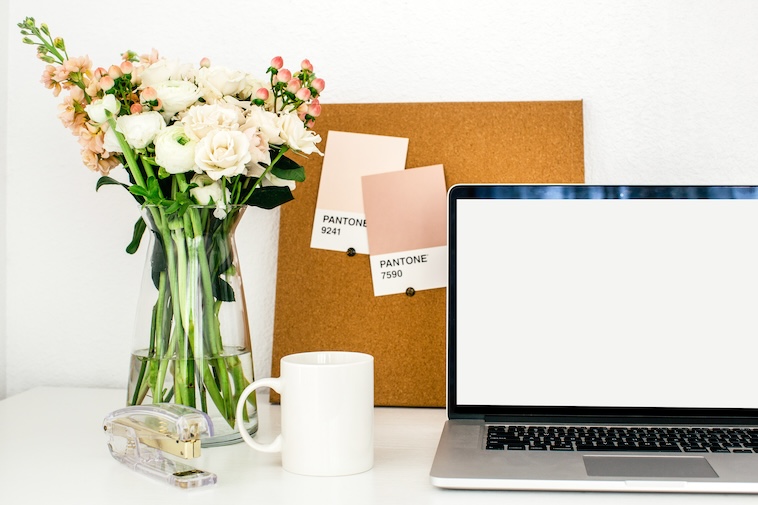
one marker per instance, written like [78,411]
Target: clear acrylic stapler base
[140,435]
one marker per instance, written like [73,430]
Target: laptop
[601,338]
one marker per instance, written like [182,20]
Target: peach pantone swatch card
[407,237]
[340,221]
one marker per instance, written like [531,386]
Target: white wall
[670,90]
[4,29]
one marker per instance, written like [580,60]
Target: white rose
[242,105]
[297,136]
[202,119]
[174,151]
[215,82]
[265,122]
[176,96]
[209,191]
[164,70]
[96,110]
[223,153]
[259,149]
[110,142]
[140,129]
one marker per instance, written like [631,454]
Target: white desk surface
[53,450]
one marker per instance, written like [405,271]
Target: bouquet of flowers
[198,144]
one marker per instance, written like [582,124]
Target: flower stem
[131,161]
[210,319]
[259,182]
[160,220]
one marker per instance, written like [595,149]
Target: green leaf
[158,261]
[154,187]
[178,206]
[108,181]
[270,197]
[174,207]
[152,193]
[284,162]
[139,230]
[220,261]
[222,290]
[138,191]
[289,174]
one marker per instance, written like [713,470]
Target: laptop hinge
[621,420]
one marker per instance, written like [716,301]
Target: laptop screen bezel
[580,414]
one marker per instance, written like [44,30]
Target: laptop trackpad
[648,466]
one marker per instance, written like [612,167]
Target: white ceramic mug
[327,407]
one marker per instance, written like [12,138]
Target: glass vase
[192,340]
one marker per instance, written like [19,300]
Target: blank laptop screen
[606,297]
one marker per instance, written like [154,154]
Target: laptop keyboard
[636,439]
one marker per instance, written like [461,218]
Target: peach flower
[49,80]
[68,113]
[102,163]
[78,64]
[91,138]
[149,59]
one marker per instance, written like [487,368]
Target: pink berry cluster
[298,91]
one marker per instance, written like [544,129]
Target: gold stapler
[138,437]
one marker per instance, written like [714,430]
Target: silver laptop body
[601,338]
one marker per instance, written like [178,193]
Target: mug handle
[276,445]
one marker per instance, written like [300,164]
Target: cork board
[324,299]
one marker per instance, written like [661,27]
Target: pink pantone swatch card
[340,221]
[407,237]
